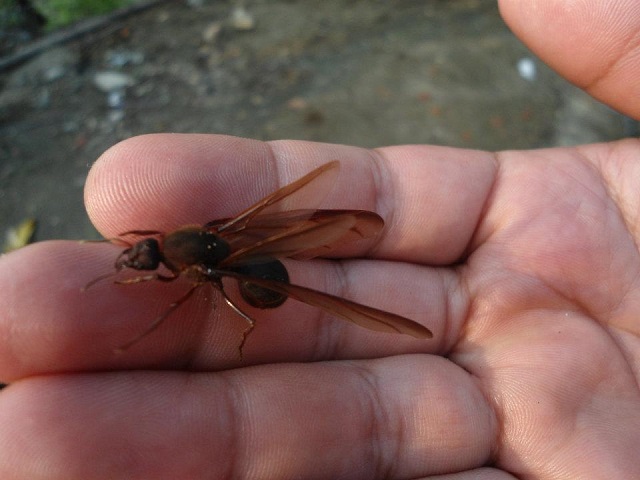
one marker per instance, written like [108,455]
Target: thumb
[594,44]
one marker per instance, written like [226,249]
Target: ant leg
[250,321]
[114,240]
[120,241]
[140,232]
[146,278]
[101,240]
[98,279]
[158,321]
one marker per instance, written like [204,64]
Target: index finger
[430,197]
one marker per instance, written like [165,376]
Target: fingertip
[161,181]
[593,44]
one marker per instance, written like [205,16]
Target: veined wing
[285,235]
[321,178]
[362,315]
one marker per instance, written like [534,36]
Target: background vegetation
[55,13]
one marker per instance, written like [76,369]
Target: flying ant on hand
[247,247]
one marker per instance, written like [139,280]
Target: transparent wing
[318,183]
[287,234]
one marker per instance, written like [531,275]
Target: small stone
[108,81]
[120,58]
[115,98]
[242,20]
[527,69]
[211,31]
[297,103]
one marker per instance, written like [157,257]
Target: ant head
[144,255]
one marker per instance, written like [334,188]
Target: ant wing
[362,315]
[322,178]
[261,226]
[285,234]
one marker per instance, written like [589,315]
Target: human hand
[523,264]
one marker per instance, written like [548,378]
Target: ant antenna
[99,279]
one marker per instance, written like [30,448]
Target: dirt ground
[367,73]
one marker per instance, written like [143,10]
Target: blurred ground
[367,73]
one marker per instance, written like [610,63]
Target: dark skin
[528,276]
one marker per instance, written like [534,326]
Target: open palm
[525,266]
